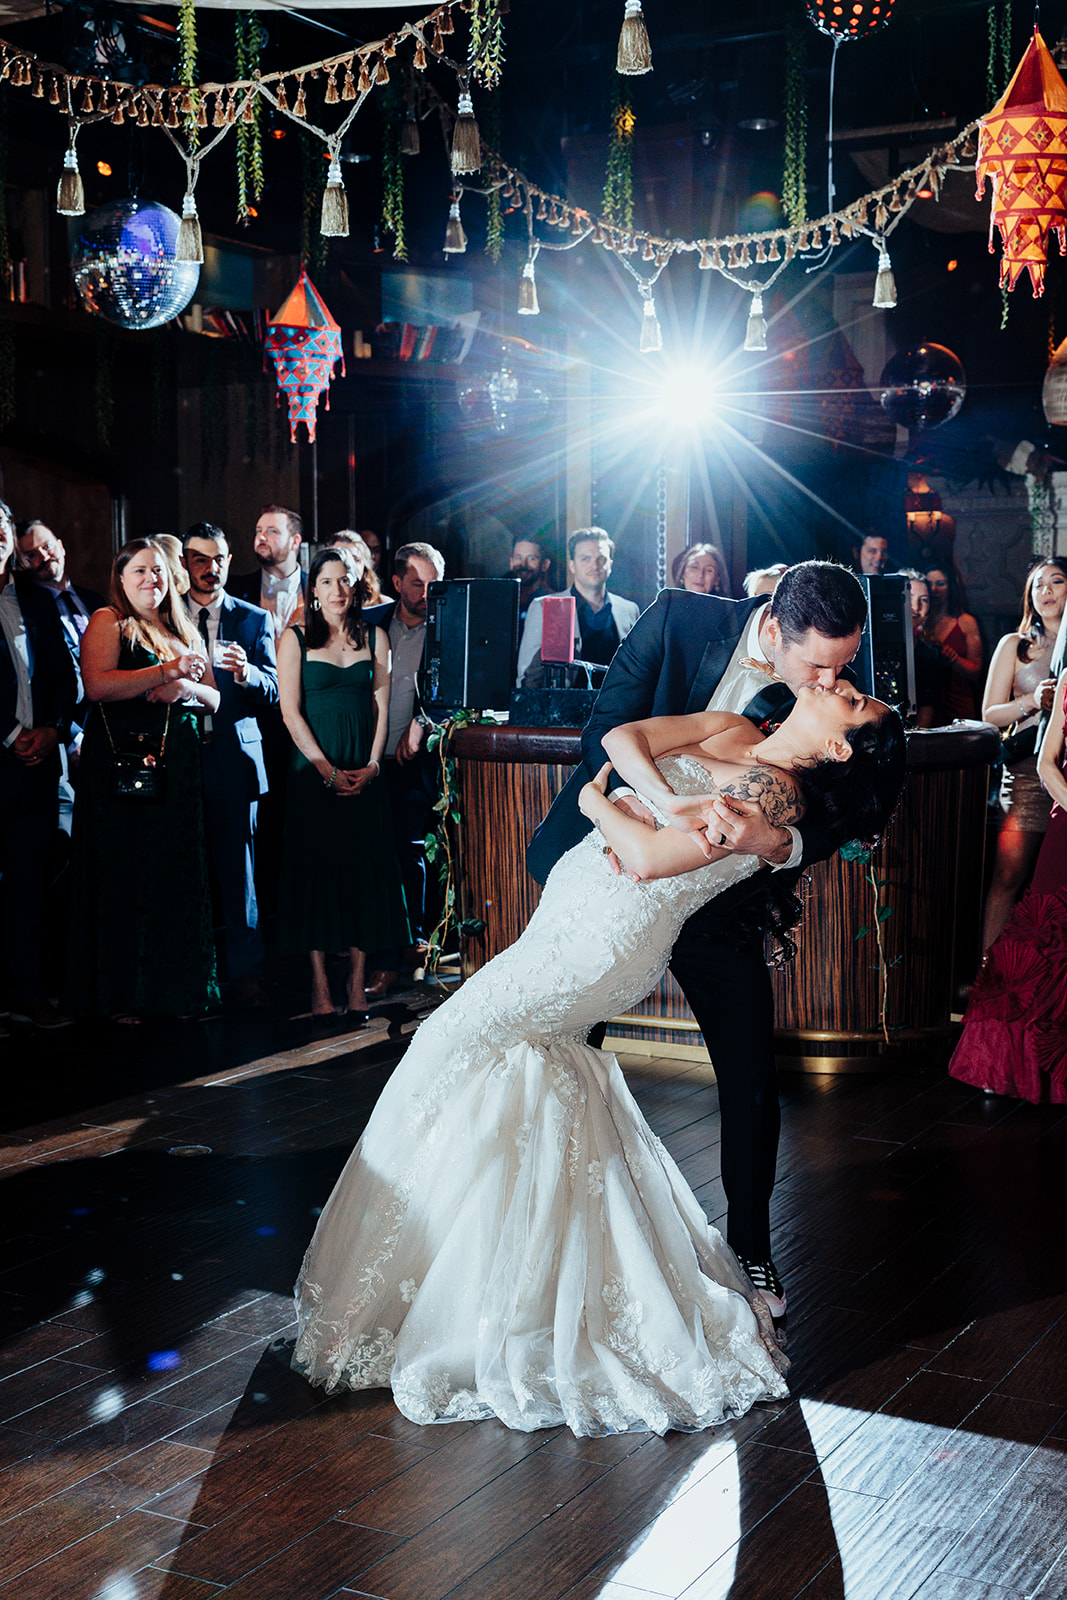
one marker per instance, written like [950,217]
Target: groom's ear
[772,633]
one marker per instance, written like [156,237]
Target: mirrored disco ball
[504,401]
[924,387]
[124,266]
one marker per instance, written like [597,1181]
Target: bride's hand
[601,780]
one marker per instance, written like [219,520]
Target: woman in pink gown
[1015,1031]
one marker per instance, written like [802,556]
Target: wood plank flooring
[155,1446]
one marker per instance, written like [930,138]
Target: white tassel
[334,221]
[528,306]
[190,245]
[455,239]
[885,285]
[651,332]
[635,52]
[756,332]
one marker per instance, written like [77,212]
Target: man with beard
[280,585]
[239,639]
[532,565]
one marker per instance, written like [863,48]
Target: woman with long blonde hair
[139,809]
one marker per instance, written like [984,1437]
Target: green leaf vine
[998,61]
[862,853]
[249,39]
[394,111]
[618,206]
[795,149]
[494,206]
[487,42]
[440,849]
[187,65]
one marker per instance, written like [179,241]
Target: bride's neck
[780,749]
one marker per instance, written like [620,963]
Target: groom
[694,652]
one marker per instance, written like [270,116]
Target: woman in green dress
[340,884]
[144,669]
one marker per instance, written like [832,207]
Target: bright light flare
[686,396]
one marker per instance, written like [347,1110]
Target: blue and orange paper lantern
[304,342]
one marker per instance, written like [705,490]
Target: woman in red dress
[1015,1031]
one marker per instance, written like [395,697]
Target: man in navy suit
[240,642]
[38,693]
[694,652]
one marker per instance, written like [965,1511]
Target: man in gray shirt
[409,772]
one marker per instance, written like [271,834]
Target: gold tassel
[70,196]
[704,263]
[365,84]
[348,92]
[38,86]
[248,108]
[885,285]
[382,74]
[301,107]
[389,47]
[528,306]
[541,211]
[143,119]
[231,107]
[444,21]
[466,142]
[332,96]
[419,57]
[190,245]
[116,116]
[172,111]
[756,332]
[773,252]
[455,239]
[87,98]
[187,106]
[410,143]
[651,332]
[283,100]
[635,52]
[53,92]
[334,224]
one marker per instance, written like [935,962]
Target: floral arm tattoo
[776,794]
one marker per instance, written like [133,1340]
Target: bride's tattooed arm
[775,792]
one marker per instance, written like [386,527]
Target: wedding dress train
[509,1238]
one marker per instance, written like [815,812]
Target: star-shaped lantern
[304,342]
[1022,149]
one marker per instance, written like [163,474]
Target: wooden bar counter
[840,1004]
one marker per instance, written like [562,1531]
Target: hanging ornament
[125,264]
[528,305]
[70,196]
[334,223]
[455,239]
[190,243]
[635,52]
[304,342]
[651,332]
[924,387]
[1022,150]
[756,331]
[849,19]
[885,285]
[466,141]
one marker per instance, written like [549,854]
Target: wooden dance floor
[153,1443]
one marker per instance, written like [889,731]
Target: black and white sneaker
[766,1281]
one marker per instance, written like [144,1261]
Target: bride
[509,1238]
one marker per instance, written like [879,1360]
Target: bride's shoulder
[777,792]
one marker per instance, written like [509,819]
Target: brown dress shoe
[380,984]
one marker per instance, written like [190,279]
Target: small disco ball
[503,401]
[924,387]
[124,266]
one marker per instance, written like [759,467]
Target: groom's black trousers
[728,987]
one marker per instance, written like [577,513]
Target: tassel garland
[635,52]
[756,332]
[70,196]
[466,142]
[190,245]
[885,285]
[334,224]
[455,239]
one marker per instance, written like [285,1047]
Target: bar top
[964,744]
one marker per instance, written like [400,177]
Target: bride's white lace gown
[509,1238]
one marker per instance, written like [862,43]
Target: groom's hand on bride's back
[744,827]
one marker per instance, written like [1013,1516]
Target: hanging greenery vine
[313,246]
[795,151]
[863,854]
[249,39]
[618,206]
[190,100]
[494,205]
[394,115]
[440,851]
[998,63]
[7,326]
[487,41]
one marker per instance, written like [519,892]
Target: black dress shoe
[357,1019]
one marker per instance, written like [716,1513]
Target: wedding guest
[929,670]
[701,568]
[1018,689]
[955,633]
[136,950]
[763,580]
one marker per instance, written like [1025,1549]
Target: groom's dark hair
[820,595]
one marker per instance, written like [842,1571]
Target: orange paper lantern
[1022,149]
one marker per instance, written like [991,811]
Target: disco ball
[924,387]
[124,266]
[504,401]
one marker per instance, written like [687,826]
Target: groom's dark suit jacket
[670,663]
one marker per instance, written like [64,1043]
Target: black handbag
[139,771]
[1017,743]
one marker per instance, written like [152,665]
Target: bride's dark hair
[854,799]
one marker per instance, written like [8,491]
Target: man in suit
[601,620]
[693,652]
[240,642]
[38,693]
[531,563]
[280,584]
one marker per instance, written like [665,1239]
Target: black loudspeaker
[472,637]
[885,664]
